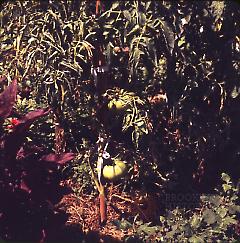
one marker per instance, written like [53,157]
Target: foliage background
[180,58]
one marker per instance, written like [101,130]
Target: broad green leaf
[229,220]
[215,199]
[195,221]
[149,230]
[225,177]
[222,212]
[209,216]
[122,224]
[226,187]
[233,209]
[196,239]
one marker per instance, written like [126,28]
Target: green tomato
[114,172]
[120,105]
[116,104]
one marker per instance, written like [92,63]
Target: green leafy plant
[216,219]
[134,115]
[170,72]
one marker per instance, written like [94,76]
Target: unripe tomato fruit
[117,104]
[114,172]
[120,104]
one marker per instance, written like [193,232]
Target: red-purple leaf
[23,153]
[25,122]
[58,158]
[30,117]
[7,100]
[24,187]
[14,140]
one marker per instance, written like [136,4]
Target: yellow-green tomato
[120,104]
[116,104]
[114,172]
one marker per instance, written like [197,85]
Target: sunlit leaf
[209,216]
[115,5]
[226,177]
